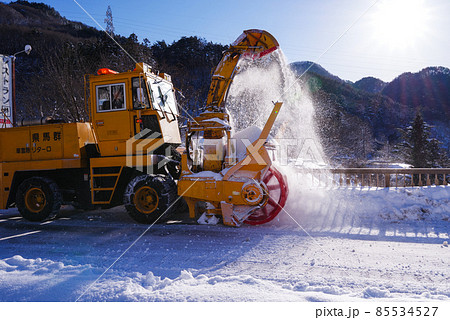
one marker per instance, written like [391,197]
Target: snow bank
[188,288]
[37,266]
[40,279]
[310,206]
[241,288]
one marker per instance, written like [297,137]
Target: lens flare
[400,23]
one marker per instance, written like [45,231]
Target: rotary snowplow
[235,185]
[126,154]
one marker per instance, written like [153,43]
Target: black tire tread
[167,192]
[52,194]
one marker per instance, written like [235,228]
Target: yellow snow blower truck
[127,153]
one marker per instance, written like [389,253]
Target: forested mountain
[356,121]
[428,89]
[361,120]
[354,125]
[370,84]
[300,67]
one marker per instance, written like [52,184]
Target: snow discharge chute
[253,43]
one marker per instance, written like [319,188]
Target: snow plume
[256,86]
[260,83]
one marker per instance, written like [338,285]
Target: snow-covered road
[338,251]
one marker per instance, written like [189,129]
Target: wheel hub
[252,193]
[35,200]
[146,199]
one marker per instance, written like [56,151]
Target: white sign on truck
[6,91]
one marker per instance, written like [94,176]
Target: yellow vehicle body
[42,148]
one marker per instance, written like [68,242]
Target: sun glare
[400,23]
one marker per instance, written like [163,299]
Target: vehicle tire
[151,198]
[38,199]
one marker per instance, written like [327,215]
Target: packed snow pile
[428,203]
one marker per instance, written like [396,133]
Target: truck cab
[127,107]
[132,134]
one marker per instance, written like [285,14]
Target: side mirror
[140,95]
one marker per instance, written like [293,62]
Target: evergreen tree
[419,149]
[418,139]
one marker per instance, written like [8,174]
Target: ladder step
[105,175]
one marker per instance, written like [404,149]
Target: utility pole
[109,22]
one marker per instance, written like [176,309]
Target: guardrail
[377,177]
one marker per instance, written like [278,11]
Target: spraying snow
[260,83]
[257,85]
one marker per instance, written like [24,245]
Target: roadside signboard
[6,91]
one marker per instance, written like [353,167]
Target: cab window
[140,93]
[111,97]
[163,98]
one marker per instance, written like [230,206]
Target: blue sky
[350,38]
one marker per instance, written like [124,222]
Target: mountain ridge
[427,90]
[370,107]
